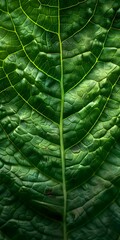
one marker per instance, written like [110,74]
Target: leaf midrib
[62,150]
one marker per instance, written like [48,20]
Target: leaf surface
[59,120]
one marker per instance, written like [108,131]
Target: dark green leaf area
[68,4]
[113,40]
[90,155]
[77,100]
[17,211]
[5,21]
[73,23]
[41,14]
[90,210]
[37,81]
[49,2]
[38,50]
[108,13]
[12,5]
[116,23]
[111,49]
[30,91]
[4,83]
[59,120]
[106,220]
[79,128]
[46,157]
[82,58]
[11,43]
[106,177]
[3,5]
[83,63]
[105,195]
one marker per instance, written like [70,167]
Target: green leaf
[59,120]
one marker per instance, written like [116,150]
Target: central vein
[62,151]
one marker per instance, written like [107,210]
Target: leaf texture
[59,120]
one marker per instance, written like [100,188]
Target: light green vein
[47,5]
[8,88]
[62,151]
[74,5]
[6,29]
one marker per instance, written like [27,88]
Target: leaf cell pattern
[59,120]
